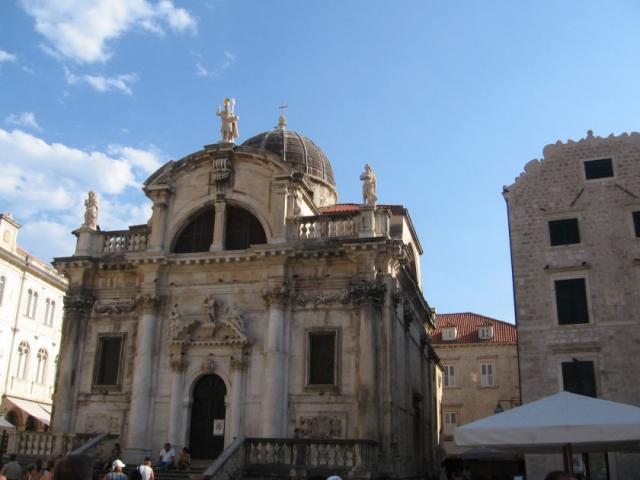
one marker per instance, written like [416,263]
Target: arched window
[23,360]
[52,312]
[242,229]
[47,306]
[27,310]
[197,235]
[41,372]
[35,305]
[3,282]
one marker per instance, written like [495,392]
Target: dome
[297,150]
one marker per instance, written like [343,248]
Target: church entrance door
[206,439]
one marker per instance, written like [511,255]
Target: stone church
[251,306]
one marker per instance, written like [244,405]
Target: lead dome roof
[297,150]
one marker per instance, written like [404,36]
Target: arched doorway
[208,406]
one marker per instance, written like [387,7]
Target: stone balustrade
[119,242]
[44,444]
[339,225]
[261,457]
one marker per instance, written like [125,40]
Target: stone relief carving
[279,294]
[102,422]
[116,307]
[77,303]
[365,292]
[321,426]
[178,325]
[221,169]
[208,365]
[220,314]
[322,298]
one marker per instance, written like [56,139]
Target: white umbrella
[562,421]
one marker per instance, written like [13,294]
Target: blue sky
[446,100]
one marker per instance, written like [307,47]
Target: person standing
[146,471]
[12,470]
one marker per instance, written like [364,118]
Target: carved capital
[77,303]
[178,364]
[276,296]
[368,293]
[239,363]
[148,302]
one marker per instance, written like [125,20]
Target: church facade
[251,305]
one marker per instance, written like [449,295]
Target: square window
[449,333]
[487,375]
[108,361]
[322,358]
[571,301]
[579,377]
[485,332]
[450,422]
[564,232]
[636,223]
[449,375]
[594,169]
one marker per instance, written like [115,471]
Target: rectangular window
[108,361]
[487,375]
[594,169]
[450,422]
[564,232]
[636,223]
[322,358]
[449,375]
[571,301]
[579,377]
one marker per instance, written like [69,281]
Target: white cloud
[6,56]
[83,30]
[44,184]
[23,119]
[201,71]
[100,83]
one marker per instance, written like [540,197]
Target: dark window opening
[564,232]
[242,230]
[636,223]
[598,168]
[579,377]
[198,234]
[108,361]
[322,358]
[571,301]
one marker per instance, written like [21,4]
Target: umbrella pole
[568,458]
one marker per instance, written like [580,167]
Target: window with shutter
[108,361]
[564,232]
[571,301]
[322,358]
[579,377]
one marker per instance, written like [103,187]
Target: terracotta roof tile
[354,207]
[467,325]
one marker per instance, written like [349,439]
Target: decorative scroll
[221,170]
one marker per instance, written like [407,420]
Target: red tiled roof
[467,325]
[355,207]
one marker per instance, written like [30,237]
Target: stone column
[275,372]
[219,224]
[238,368]
[76,309]
[369,297]
[137,445]
[176,417]
[160,196]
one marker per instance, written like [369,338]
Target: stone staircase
[194,472]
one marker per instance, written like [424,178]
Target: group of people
[38,471]
[79,467]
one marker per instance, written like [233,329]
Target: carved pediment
[116,306]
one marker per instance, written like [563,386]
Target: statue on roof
[229,121]
[368,186]
[91,211]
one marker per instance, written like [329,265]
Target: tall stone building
[480,370]
[31,293]
[574,222]
[251,305]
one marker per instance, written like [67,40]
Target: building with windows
[252,305]
[480,370]
[31,294]
[574,224]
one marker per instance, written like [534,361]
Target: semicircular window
[197,236]
[242,229]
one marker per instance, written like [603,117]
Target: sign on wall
[218,427]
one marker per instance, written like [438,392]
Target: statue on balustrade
[91,211]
